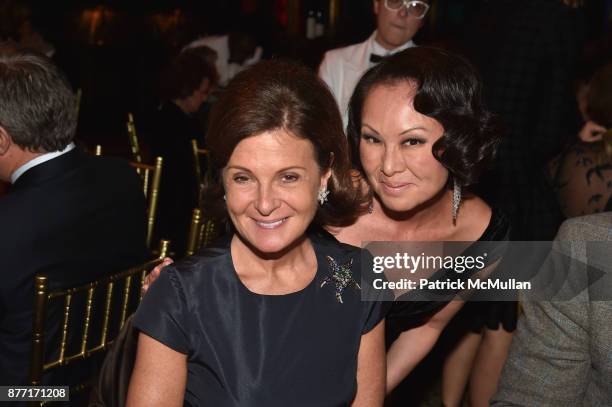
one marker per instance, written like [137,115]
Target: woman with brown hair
[272,315]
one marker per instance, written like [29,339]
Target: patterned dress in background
[582,179]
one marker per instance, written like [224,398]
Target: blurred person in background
[210,57]
[397,22]
[185,85]
[582,175]
[17,24]
[236,50]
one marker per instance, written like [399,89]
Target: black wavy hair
[449,90]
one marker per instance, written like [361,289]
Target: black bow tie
[375,58]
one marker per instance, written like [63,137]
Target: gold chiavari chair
[106,286]
[151,177]
[199,153]
[133,139]
[201,232]
[77,101]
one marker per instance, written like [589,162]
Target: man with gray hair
[68,215]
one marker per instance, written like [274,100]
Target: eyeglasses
[416,9]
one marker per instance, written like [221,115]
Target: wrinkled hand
[591,132]
[152,276]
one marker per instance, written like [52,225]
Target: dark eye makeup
[410,141]
[413,141]
[368,138]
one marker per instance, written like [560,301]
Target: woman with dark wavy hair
[421,137]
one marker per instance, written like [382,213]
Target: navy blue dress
[247,349]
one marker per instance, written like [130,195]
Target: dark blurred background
[113,50]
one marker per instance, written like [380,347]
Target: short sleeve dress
[247,349]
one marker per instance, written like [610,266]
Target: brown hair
[285,95]
[184,75]
[599,110]
[209,56]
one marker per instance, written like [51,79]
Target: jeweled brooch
[340,276]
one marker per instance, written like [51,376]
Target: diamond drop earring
[456,199]
[371,207]
[322,195]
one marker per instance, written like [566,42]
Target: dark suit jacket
[73,218]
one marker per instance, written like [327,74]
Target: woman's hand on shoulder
[152,276]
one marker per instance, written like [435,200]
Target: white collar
[378,49]
[39,160]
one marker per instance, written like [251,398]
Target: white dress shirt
[225,69]
[342,68]
[39,160]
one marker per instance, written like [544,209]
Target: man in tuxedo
[68,215]
[397,22]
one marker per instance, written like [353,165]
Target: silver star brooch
[340,276]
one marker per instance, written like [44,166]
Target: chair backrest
[105,286]
[133,139]
[198,154]
[77,101]
[201,232]
[151,178]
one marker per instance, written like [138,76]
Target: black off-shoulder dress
[405,313]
